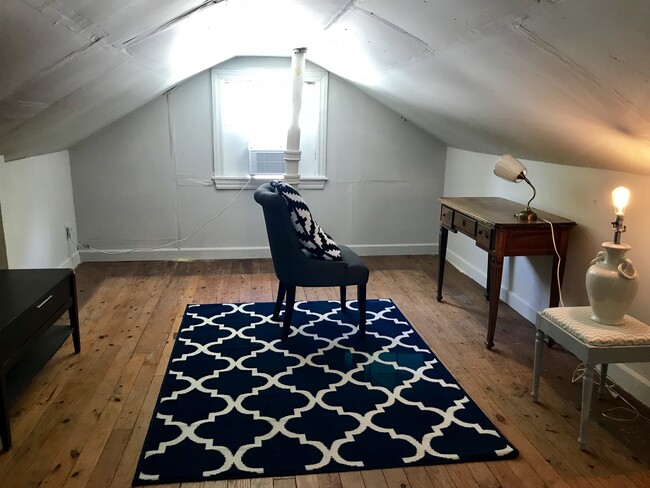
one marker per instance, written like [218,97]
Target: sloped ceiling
[560,81]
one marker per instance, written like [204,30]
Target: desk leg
[587,387]
[442,256]
[496,269]
[537,363]
[487,282]
[5,431]
[603,380]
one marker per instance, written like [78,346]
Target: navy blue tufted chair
[294,268]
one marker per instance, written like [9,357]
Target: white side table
[593,344]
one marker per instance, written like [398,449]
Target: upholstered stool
[593,344]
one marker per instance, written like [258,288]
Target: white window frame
[224,181]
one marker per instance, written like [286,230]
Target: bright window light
[252,114]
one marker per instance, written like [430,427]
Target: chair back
[285,247]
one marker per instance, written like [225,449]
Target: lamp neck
[534,191]
[527,214]
[618,228]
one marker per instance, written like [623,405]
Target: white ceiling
[565,81]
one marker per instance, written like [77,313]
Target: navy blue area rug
[237,402]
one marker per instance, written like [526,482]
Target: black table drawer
[32,320]
[465,224]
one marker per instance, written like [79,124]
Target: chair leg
[282,289]
[361,301]
[288,311]
[343,299]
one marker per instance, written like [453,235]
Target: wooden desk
[490,221]
[31,301]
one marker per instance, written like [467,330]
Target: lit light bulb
[620,198]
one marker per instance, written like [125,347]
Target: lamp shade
[509,168]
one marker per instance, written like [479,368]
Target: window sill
[239,182]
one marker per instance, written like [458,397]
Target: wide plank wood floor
[82,422]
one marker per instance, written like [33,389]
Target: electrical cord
[559,262]
[177,241]
[630,409]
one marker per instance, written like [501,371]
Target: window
[252,111]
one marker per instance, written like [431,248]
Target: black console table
[491,223]
[31,301]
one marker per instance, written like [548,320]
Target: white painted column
[292,153]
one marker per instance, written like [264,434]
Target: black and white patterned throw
[312,237]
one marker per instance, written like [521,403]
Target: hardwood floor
[83,419]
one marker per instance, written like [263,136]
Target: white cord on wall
[177,241]
[559,262]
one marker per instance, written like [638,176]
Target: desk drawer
[446,217]
[465,224]
[483,237]
[15,336]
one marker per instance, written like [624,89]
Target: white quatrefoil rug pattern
[238,402]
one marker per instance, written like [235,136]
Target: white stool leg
[587,387]
[537,363]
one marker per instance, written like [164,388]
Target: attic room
[129,220]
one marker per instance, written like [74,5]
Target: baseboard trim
[87,255]
[189,254]
[466,267]
[394,249]
[516,301]
[631,381]
[72,262]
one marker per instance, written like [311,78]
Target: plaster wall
[581,194]
[146,181]
[36,203]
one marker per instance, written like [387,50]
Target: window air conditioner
[266,161]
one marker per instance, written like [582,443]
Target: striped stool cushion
[577,322]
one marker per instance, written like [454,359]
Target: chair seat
[357,270]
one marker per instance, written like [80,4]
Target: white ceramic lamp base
[611,283]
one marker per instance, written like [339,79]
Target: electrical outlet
[68,232]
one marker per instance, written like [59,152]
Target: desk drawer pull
[446,217]
[465,224]
[483,237]
[44,302]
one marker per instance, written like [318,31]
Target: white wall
[36,204]
[581,194]
[135,185]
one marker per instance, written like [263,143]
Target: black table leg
[5,432]
[73,312]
